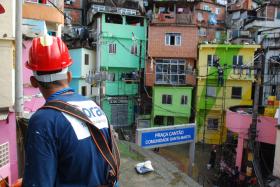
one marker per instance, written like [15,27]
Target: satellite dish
[2,10]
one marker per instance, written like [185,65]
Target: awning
[2,10]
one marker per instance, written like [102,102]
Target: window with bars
[112,48]
[170,71]
[173,39]
[184,100]
[166,99]
[212,60]
[4,154]
[212,123]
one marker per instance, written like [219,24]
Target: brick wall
[76,4]
[157,47]
[270,12]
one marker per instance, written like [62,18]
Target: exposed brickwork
[157,47]
[76,4]
[75,14]
[270,12]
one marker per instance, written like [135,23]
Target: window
[135,21]
[166,99]
[86,59]
[218,11]
[212,60]
[278,13]
[236,93]
[211,91]
[202,32]
[113,18]
[84,90]
[184,100]
[237,60]
[218,35]
[170,120]
[158,120]
[173,39]
[206,8]
[170,71]
[133,49]
[112,48]
[212,124]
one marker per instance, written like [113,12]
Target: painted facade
[170,69]
[8,152]
[238,120]
[120,51]
[83,64]
[178,111]
[221,84]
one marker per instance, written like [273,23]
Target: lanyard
[59,92]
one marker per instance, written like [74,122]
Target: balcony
[43,10]
[172,18]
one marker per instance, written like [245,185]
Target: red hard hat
[48,53]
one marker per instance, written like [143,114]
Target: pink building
[32,97]
[238,120]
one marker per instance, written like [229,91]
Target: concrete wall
[175,108]
[7,61]
[7,20]
[121,35]
[8,134]
[45,12]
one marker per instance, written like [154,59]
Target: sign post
[169,135]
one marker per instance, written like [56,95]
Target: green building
[121,49]
[171,105]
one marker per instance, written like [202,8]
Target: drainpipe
[98,56]
[18,66]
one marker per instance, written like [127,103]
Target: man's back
[60,150]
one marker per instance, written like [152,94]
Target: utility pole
[98,57]
[140,76]
[18,66]
[253,144]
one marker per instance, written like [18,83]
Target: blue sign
[164,136]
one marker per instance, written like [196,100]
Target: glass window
[211,91]
[236,92]
[237,60]
[166,99]
[112,48]
[170,120]
[170,71]
[173,39]
[278,13]
[212,60]
[184,99]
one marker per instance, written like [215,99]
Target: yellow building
[225,77]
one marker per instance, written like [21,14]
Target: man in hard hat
[59,148]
